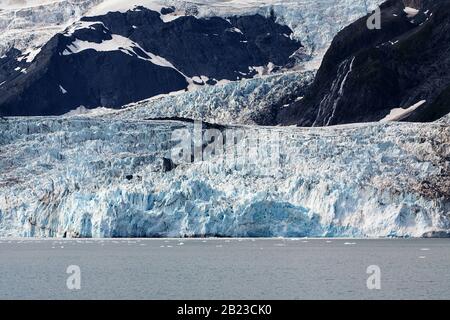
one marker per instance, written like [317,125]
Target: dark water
[225,269]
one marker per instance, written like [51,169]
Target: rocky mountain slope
[161,48]
[119,58]
[366,74]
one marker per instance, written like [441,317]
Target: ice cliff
[113,178]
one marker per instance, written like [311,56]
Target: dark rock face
[168,165]
[366,73]
[11,65]
[436,234]
[168,10]
[120,58]
[216,48]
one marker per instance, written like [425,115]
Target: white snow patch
[237,30]
[411,12]
[82,110]
[10,4]
[63,91]
[398,114]
[21,4]
[117,43]
[263,70]
[197,79]
[80,25]
[32,54]
[124,6]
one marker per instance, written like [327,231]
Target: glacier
[314,22]
[249,101]
[94,177]
[111,173]
[28,25]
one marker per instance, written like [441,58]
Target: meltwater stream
[225,268]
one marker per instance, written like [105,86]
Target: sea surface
[225,269]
